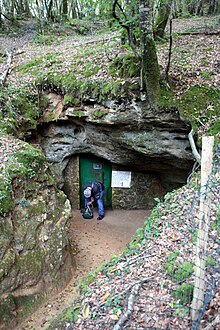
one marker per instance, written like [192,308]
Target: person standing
[94,191]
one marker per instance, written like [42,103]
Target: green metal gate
[95,169]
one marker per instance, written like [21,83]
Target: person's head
[87,192]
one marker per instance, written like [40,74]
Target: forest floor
[97,242]
[194,60]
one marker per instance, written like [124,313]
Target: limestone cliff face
[34,245]
[127,133]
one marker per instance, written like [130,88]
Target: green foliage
[216,224]
[91,71]
[125,65]
[210,261]
[82,30]
[83,285]
[183,271]
[79,89]
[178,272]
[99,113]
[207,75]
[45,39]
[67,315]
[70,100]
[184,293]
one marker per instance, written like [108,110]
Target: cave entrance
[92,168]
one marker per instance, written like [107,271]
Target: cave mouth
[126,186]
[145,163]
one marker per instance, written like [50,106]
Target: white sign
[121,179]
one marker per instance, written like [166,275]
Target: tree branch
[9,19]
[214,323]
[193,147]
[130,34]
[131,301]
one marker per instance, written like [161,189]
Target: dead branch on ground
[131,300]
[7,68]
[215,322]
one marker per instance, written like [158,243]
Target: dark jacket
[97,188]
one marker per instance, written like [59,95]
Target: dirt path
[97,242]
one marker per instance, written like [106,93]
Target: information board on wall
[121,179]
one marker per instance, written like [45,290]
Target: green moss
[45,39]
[167,98]
[7,307]
[36,65]
[210,261]
[21,109]
[61,197]
[79,89]
[99,113]
[27,304]
[7,262]
[5,231]
[36,209]
[176,271]
[6,202]
[26,162]
[184,293]
[68,315]
[31,263]
[199,105]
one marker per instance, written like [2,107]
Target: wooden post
[204,211]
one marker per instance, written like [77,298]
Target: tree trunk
[0,14]
[12,9]
[214,7]
[162,18]
[49,10]
[74,11]
[27,9]
[65,8]
[150,74]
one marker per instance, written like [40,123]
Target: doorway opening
[92,168]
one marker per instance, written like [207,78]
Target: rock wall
[153,144]
[144,188]
[35,254]
[71,185]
